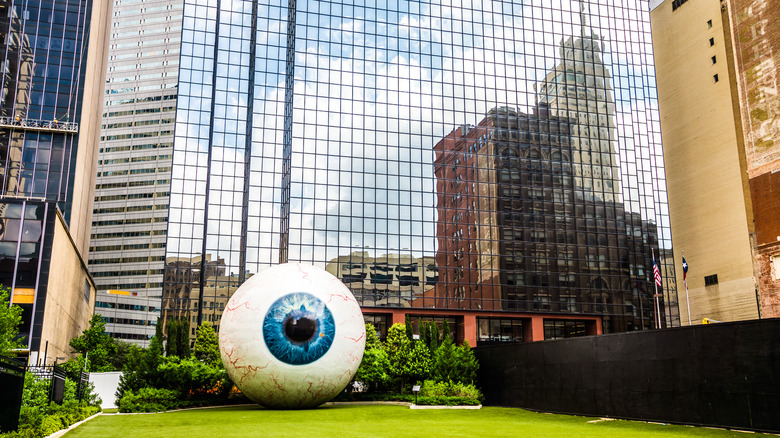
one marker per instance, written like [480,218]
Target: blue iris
[298,328]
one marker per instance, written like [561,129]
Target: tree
[433,337]
[424,332]
[184,339]
[445,331]
[158,329]
[10,318]
[466,365]
[373,369]
[97,343]
[140,368]
[151,359]
[207,345]
[408,327]
[372,339]
[420,363]
[172,344]
[408,361]
[444,368]
[122,352]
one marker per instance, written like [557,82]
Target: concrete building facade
[713,64]
[127,248]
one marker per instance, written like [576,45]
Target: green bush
[197,381]
[447,401]
[450,389]
[373,369]
[190,377]
[149,400]
[41,421]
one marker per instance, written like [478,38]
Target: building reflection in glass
[516,233]
[391,280]
[498,162]
[184,298]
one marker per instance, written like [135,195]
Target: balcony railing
[38,125]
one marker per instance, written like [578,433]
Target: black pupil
[300,329]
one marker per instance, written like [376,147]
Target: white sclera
[257,372]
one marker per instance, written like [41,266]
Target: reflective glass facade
[42,56]
[465,160]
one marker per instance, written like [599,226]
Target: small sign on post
[415,390]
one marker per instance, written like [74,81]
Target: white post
[687,301]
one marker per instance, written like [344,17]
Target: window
[563,329]
[87,290]
[714,59]
[715,77]
[712,41]
[497,330]
[709,24]
[710,280]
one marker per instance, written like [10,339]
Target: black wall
[719,374]
[12,384]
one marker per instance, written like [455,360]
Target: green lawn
[343,421]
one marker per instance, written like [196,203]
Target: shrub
[41,421]
[373,369]
[149,400]
[447,401]
[190,377]
[450,389]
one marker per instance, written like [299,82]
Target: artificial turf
[344,421]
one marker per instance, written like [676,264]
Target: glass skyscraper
[127,250]
[47,151]
[494,164]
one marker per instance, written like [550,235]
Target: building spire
[583,18]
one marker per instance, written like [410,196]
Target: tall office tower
[53,59]
[579,87]
[134,169]
[717,65]
[308,131]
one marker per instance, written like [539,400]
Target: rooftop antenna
[583,18]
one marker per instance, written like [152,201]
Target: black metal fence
[57,376]
[12,374]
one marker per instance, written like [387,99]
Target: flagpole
[687,301]
[685,282]
[656,303]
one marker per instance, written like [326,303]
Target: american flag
[656,273]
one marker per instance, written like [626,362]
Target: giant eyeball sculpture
[292,337]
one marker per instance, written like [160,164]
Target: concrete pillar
[533,330]
[470,329]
